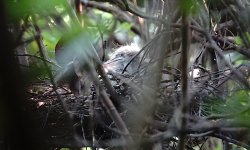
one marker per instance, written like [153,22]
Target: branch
[40,58]
[134,10]
[218,50]
[114,114]
[228,139]
[184,78]
[44,56]
[114,10]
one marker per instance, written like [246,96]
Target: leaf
[189,6]
[235,103]
[238,40]
[22,8]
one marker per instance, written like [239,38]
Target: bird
[67,57]
[121,57]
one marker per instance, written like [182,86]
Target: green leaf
[238,40]
[236,103]
[22,8]
[189,6]
[126,26]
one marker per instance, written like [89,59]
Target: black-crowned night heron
[120,58]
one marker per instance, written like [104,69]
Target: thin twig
[44,56]
[114,114]
[40,58]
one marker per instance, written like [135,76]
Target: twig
[184,78]
[108,85]
[129,7]
[40,58]
[44,56]
[109,105]
[237,74]
[225,138]
[201,134]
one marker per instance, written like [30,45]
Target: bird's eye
[121,54]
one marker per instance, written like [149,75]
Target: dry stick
[184,77]
[108,85]
[44,56]
[229,139]
[40,58]
[103,74]
[114,114]
[244,52]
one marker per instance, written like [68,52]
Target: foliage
[191,83]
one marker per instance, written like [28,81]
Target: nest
[88,122]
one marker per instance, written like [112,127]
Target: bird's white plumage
[120,57]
